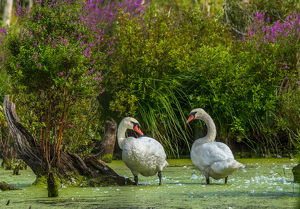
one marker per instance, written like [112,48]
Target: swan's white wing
[152,146]
[225,148]
[144,155]
[209,153]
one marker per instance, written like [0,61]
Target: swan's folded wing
[152,146]
[210,153]
[225,148]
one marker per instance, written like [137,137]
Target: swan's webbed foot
[226,179]
[159,176]
[207,180]
[136,180]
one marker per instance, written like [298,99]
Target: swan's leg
[207,180]
[226,179]
[136,179]
[159,176]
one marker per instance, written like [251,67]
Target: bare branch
[227,19]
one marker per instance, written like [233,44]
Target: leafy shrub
[151,52]
[238,84]
[56,63]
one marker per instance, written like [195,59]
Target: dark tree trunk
[4,146]
[7,151]
[29,150]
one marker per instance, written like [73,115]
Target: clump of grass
[165,121]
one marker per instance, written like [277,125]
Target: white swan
[213,159]
[142,155]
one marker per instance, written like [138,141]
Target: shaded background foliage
[173,56]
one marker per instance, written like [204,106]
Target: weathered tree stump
[107,145]
[29,150]
[52,187]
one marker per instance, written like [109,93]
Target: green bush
[239,85]
[151,54]
[55,65]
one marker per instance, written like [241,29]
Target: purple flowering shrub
[288,95]
[241,13]
[56,63]
[275,64]
[156,46]
[281,37]
[243,86]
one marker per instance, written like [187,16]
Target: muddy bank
[263,183]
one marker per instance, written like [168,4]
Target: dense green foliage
[150,54]
[56,75]
[235,81]
[159,62]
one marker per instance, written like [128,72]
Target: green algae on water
[263,183]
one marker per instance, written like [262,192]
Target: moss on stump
[8,164]
[52,186]
[6,187]
[296,173]
[23,165]
[107,158]
[16,170]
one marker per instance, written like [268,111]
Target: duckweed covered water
[263,183]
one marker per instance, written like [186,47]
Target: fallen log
[30,149]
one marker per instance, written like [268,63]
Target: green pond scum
[263,183]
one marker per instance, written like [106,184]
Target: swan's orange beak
[138,130]
[190,118]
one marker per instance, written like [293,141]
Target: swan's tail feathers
[226,167]
[165,164]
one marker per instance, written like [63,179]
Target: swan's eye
[134,124]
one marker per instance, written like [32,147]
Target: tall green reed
[165,120]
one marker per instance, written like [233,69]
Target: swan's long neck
[121,135]
[211,131]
